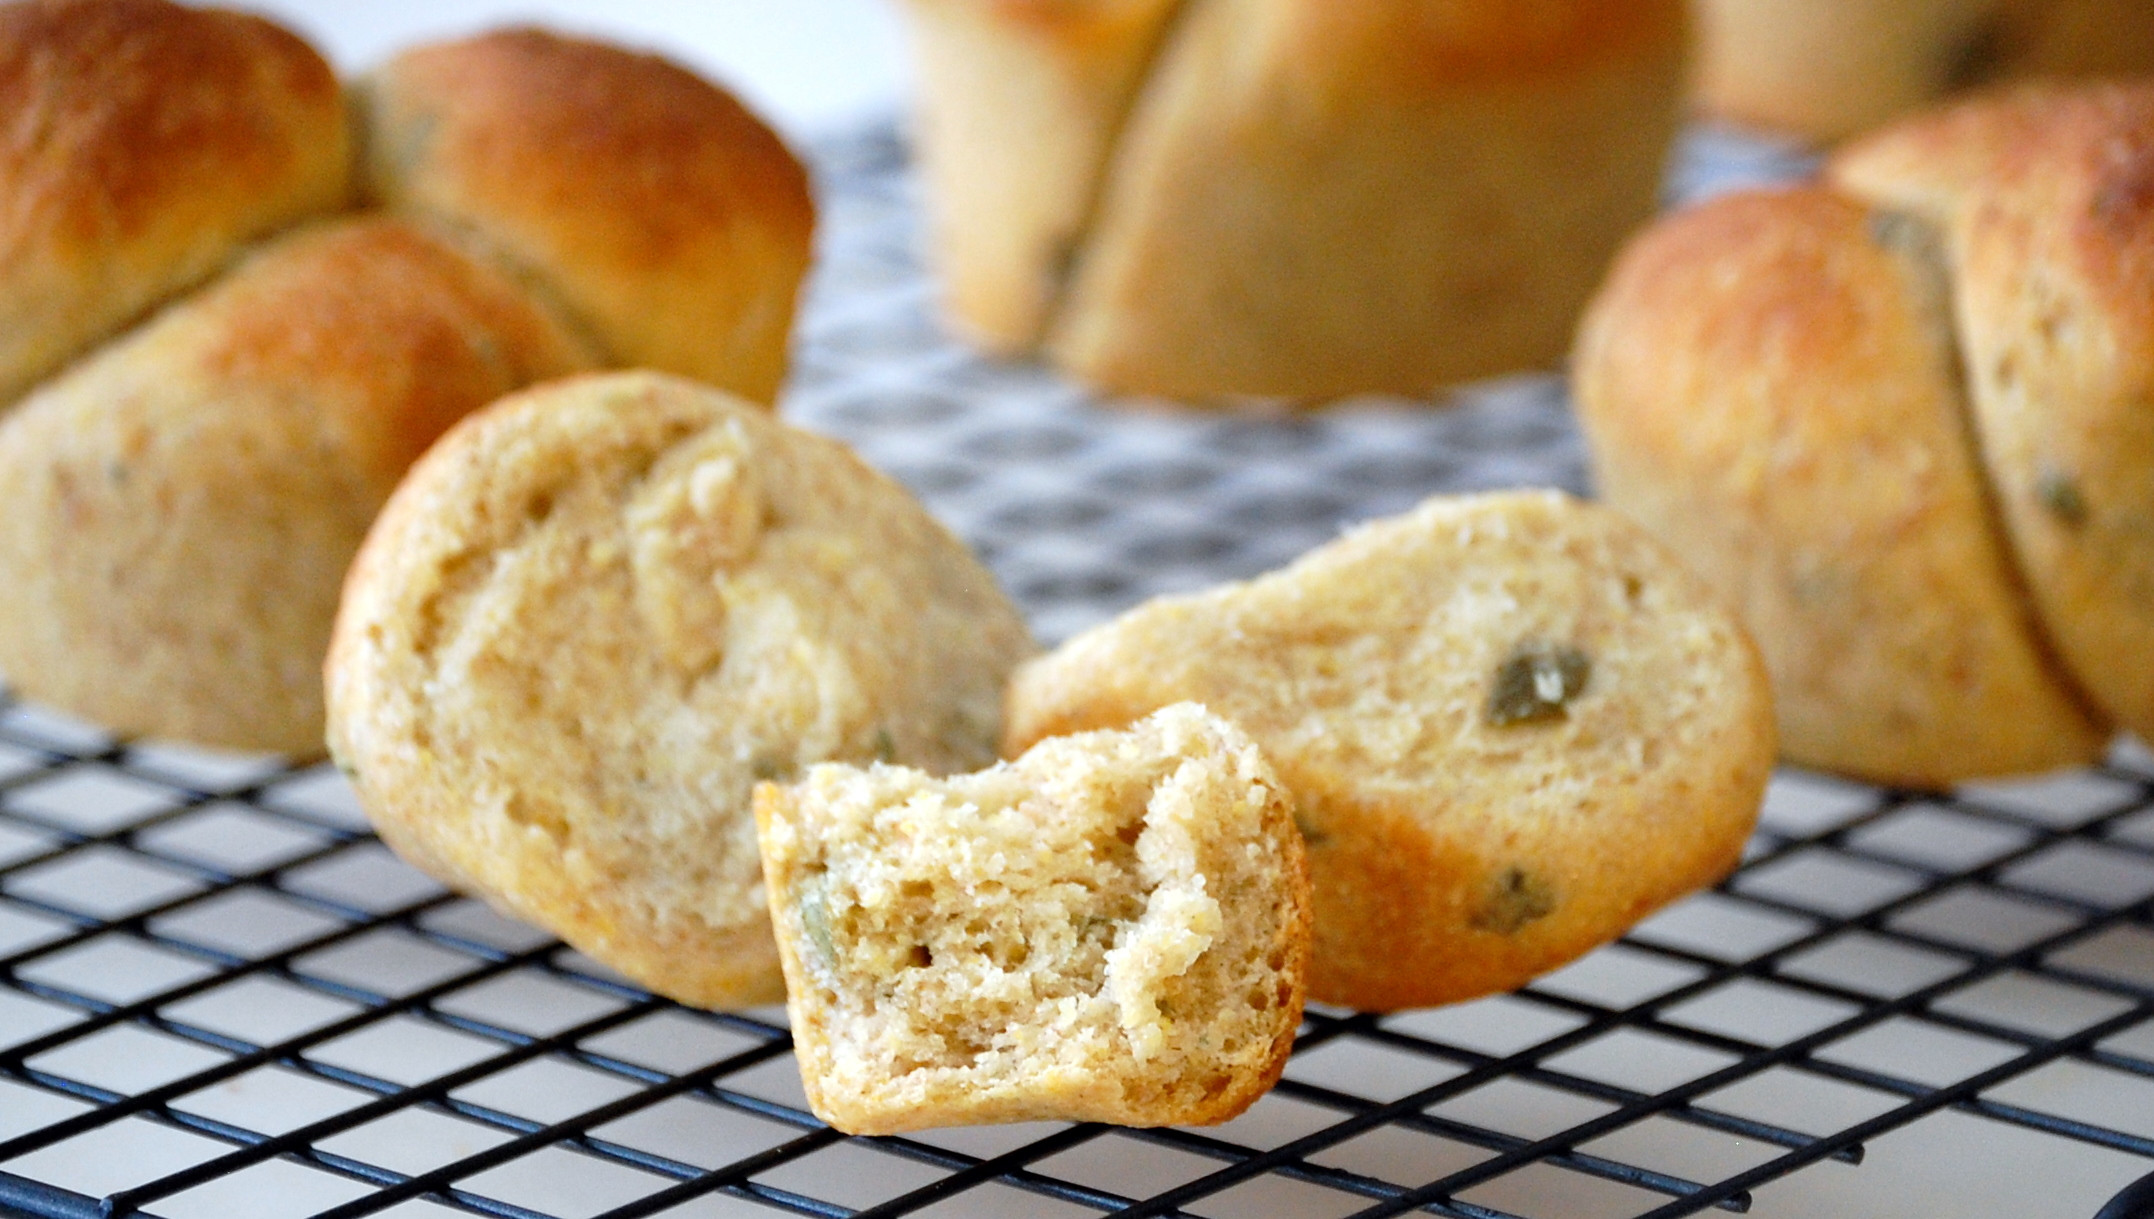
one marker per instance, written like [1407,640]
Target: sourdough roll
[1296,198]
[1114,927]
[182,502]
[658,211]
[143,146]
[1512,725]
[596,613]
[1827,69]
[1770,384]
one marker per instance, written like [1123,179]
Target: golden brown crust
[1424,48]
[1313,199]
[669,220]
[1291,198]
[1454,855]
[1829,68]
[595,614]
[142,145]
[2051,230]
[1769,384]
[2082,38]
[1826,69]
[1019,103]
[184,501]
[1933,164]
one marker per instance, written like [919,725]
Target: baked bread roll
[183,500]
[659,212]
[1114,927]
[2052,251]
[146,145]
[1293,198]
[1826,69]
[1512,724]
[598,612]
[1901,421]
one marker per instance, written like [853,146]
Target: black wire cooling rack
[221,997]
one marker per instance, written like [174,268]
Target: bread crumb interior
[1006,924]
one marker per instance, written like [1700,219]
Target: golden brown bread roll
[1294,198]
[183,502]
[662,214]
[1903,421]
[1774,391]
[1825,69]
[2052,248]
[144,144]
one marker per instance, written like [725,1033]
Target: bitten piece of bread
[1513,726]
[598,612]
[1113,928]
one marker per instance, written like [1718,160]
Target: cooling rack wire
[220,996]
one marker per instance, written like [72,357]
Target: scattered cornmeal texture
[1114,927]
[598,612]
[1513,726]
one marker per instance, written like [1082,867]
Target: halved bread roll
[1513,726]
[597,613]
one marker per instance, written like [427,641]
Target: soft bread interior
[1107,923]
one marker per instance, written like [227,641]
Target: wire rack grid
[221,996]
